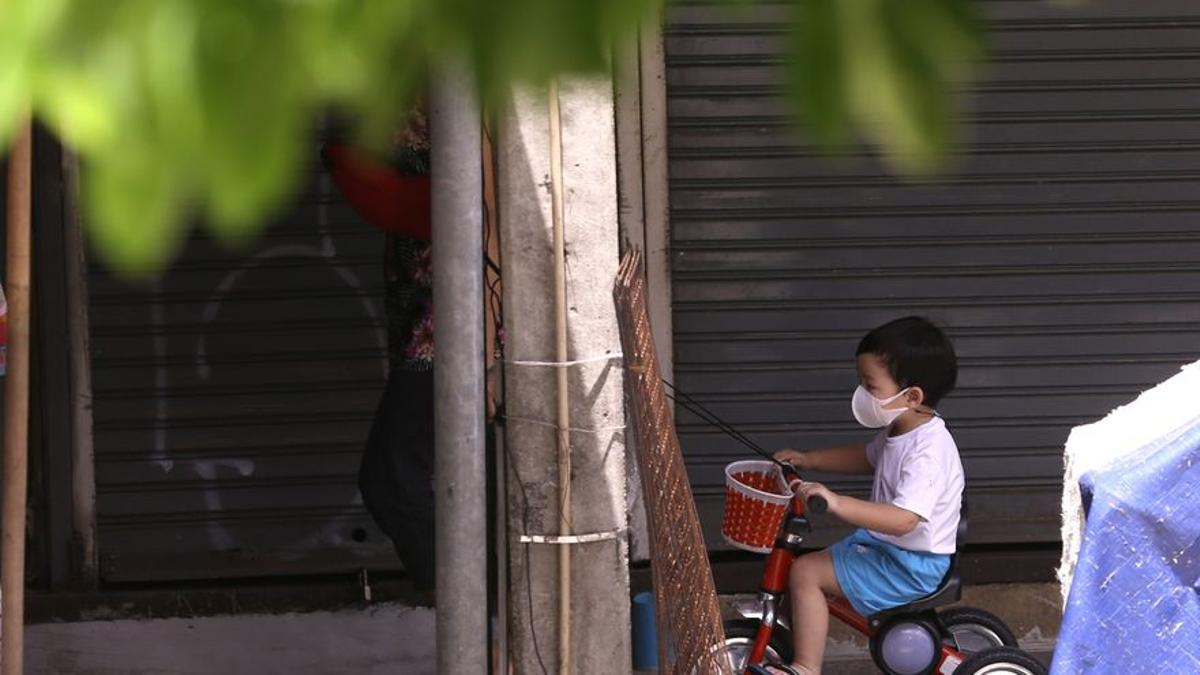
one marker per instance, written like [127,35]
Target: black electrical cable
[816,504]
[687,402]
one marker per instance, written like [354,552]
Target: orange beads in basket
[756,500]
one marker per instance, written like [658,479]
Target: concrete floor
[388,638]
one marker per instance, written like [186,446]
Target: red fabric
[384,197]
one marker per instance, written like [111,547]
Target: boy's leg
[812,579]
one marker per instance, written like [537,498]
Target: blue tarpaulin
[1134,603]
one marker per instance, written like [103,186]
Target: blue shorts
[876,575]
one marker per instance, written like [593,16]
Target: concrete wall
[600,582]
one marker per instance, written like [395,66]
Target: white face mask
[869,411]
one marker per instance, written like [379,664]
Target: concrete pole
[599,581]
[16,405]
[460,467]
[83,460]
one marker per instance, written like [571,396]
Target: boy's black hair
[916,354]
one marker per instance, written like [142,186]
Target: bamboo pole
[16,407]
[564,406]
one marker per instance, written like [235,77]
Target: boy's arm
[846,459]
[884,518]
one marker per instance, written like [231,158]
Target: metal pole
[16,407]
[459,406]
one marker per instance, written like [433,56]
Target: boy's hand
[806,490]
[793,457]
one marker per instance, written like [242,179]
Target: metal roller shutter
[233,398]
[1062,254]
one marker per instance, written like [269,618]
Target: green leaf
[887,68]
[186,108]
[25,27]
[134,208]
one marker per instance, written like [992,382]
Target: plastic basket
[756,500]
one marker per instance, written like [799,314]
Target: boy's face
[873,375]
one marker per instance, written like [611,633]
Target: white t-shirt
[920,471]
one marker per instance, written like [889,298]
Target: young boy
[906,535]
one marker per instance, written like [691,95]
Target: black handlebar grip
[817,504]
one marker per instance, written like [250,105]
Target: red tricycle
[915,639]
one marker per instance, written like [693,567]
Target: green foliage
[199,108]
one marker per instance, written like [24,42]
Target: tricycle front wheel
[739,642]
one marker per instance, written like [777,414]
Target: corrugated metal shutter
[233,398]
[1063,254]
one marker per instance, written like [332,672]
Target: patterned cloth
[407,271]
[409,302]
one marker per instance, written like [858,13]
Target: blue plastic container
[645,632]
